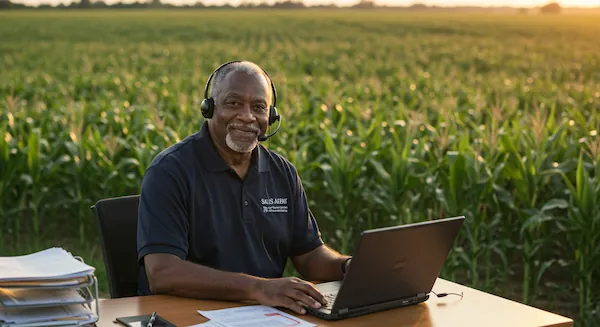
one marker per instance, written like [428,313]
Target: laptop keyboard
[330,297]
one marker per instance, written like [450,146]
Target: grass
[390,118]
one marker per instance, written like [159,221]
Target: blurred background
[394,112]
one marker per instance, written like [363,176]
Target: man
[220,214]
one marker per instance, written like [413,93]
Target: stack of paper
[53,263]
[41,289]
[45,316]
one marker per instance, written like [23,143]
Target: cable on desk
[446,294]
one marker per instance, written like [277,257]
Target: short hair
[247,67]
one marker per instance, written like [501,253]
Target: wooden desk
[476,308]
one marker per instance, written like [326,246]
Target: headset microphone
[264,137]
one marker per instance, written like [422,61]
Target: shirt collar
[214,161]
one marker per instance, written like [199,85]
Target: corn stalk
[583,229]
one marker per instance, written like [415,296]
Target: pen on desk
[151,322]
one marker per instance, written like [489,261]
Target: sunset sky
[520,3]
[495,3]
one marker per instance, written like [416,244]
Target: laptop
[391,267]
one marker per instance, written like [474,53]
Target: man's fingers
[302,297]
[292,305]
[312,292]
[301,304]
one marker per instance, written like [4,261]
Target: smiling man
[220,214]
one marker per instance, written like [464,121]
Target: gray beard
[237,147]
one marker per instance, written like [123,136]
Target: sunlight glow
[444,3]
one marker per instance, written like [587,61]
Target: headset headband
[206,88]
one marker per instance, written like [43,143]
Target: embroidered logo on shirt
[274,204]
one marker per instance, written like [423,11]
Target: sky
[491,3]
[515,3]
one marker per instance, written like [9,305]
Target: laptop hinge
[343,311]
[420,295]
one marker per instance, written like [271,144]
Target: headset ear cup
[206,107]
[273,115]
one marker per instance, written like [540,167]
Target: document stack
[47,288]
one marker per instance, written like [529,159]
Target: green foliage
[389,117]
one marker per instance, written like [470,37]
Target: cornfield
[390,118]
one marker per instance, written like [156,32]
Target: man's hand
[292,293]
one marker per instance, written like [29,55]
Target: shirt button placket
[246,203]
[244,211]
[246,196]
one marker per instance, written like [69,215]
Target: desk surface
[476,308]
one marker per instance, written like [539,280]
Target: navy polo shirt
[194,206]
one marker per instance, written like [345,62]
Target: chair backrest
[117,218]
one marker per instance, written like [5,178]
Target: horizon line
[238,4]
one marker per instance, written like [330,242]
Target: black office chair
[117,218]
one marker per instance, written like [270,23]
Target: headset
[208,104]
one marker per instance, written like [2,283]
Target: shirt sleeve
[163,224]
[307,236]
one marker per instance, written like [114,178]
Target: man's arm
[321,264]
[168,274]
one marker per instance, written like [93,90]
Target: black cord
[268,163]
[446,294]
